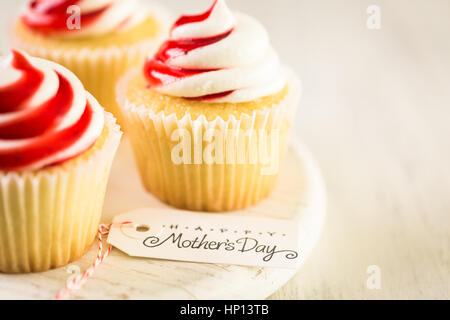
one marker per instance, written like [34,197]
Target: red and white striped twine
[77,282]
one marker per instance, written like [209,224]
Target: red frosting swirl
[52,15]
[216,56]
[62,126]
[159,71]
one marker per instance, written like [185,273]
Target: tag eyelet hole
[142,228]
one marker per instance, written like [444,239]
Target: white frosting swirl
[243,62]
[96,17]
[60,106]
[121,14]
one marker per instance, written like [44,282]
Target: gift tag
[207,238]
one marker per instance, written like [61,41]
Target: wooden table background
[376,113]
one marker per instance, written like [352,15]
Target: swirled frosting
[96,17]
[46,116]
[216,56]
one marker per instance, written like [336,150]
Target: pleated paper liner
[50,217]
[98,68]
[205,186]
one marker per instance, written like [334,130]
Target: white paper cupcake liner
[49,218]
[203,187]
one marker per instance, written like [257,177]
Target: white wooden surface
[375,113]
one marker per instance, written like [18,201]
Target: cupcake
[56,149]
[209,114]
[98,40]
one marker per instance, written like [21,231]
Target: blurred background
[375,112]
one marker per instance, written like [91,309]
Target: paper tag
[208,238]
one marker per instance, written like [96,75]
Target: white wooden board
[299,196]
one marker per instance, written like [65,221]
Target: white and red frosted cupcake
[198,112]
[57,145]
[96,39]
